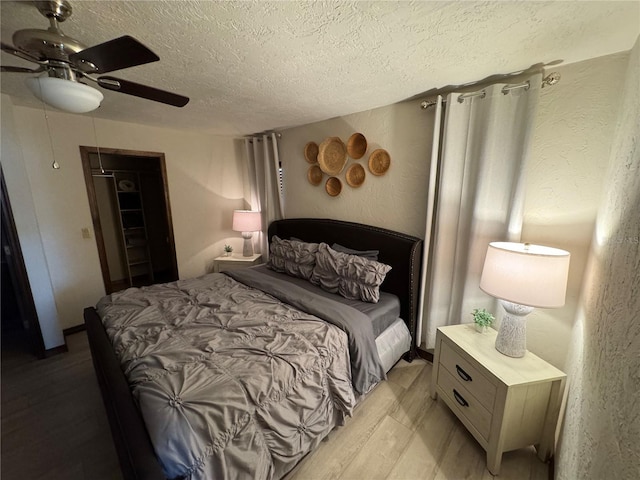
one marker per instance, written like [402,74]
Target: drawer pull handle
[463,375]
[460,399]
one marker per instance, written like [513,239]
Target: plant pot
[482,328]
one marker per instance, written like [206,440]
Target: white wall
[395,200]
[29,233]
[574,125]
[602,423]
[205,185]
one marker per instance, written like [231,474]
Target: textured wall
[205,185]
[574,126]
[396,200]
[602,423]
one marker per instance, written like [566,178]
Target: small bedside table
[505,403]
[235,262]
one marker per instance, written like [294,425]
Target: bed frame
[135,451]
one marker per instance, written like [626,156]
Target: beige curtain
[475,197]
[263,164]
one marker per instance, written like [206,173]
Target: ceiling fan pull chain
[55,165]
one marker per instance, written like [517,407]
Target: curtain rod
[268,134]
[483,93]
[549,80]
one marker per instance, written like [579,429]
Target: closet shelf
[138,262]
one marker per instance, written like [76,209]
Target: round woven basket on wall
[332,156]
[333,186]
[356,146]
[355,175]
[311,152]
[314,175]
[379,162]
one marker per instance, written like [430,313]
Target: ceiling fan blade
[20,69]
[142,91]
[116,54]
[19,53]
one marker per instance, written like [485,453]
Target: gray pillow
[351,276]
[370,254]
[292,257]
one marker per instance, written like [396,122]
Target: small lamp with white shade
[523,276]
[247,222]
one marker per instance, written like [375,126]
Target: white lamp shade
[64,94]
[246,221]
[526,274]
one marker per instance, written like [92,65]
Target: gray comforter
[231,382]
[366,369]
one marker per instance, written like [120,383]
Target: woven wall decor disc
[311,152]
[355,175]
[356,146]
[332,155]
[333,186]
[314,175]
[379,162]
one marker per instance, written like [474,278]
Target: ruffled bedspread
[231,382]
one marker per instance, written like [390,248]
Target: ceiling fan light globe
[65,95]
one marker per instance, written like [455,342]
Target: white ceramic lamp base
[512,335]
[247,247]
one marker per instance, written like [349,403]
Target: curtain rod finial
[551,79]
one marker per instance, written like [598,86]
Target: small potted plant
[227,250]
[482,319]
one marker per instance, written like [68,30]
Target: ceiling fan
[67,62]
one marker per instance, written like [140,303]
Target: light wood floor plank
[380,453]
[427,446]
[405,373]
[417,399]
[335,454]
[463,458]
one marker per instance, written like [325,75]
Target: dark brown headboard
[402,252]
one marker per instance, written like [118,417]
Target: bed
[301,373]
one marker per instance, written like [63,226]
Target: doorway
[21,335]
[131,214]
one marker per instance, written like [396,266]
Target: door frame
[19,276]
[85,151]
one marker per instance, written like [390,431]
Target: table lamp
[523,276]
[247,222]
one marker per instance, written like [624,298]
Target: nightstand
[506,403]
[235,262]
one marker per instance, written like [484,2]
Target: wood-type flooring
[54,427]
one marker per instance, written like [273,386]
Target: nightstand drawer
[462,402]
[469,376]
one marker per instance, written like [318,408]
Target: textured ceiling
[254,66]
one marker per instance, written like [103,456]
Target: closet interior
[133,219]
